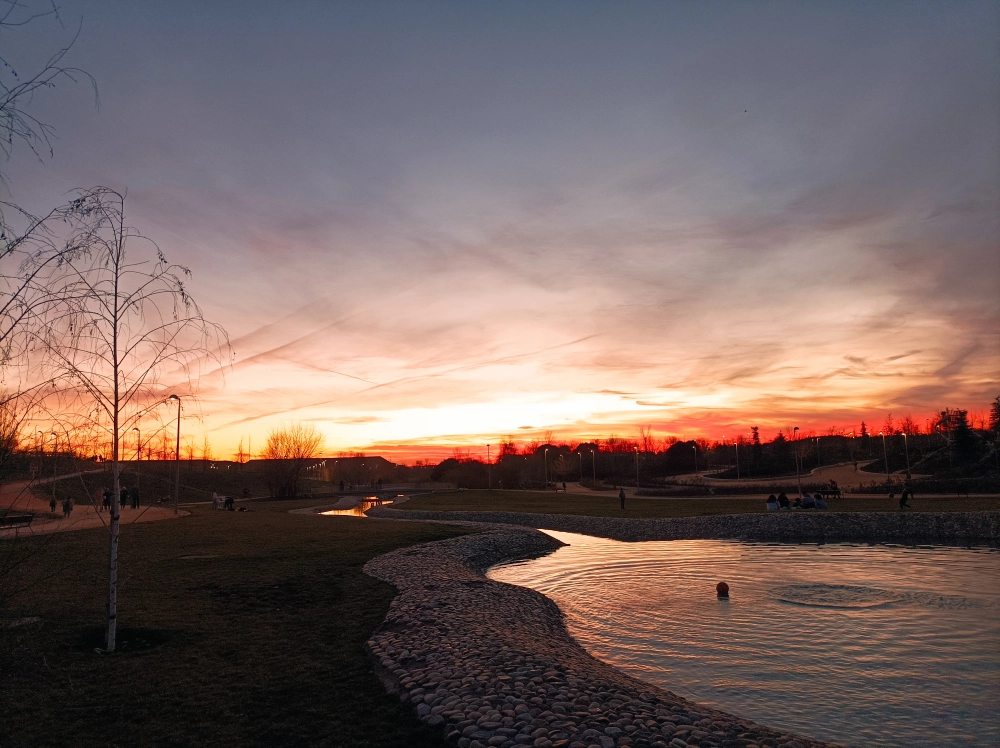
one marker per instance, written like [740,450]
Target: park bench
[16,520]
[830,493]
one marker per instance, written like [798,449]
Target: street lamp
[593,465]
[545,457]
[55,443]
[580,455]
[489,474]
[138,454]
[906,448]
[637,470]
[177,458]
[885,456]
[696,460]
[736,443]
[798,478]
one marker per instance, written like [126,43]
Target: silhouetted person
[818,500]
[621,497]
[341,485]
[122,496]
[797,504]
[564,486]
[229,503]
[133,496]
[52,504]
[904,499]
[783,500]
[106,503]
[772,503]
[808,502]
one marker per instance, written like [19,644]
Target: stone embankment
[946,528]
[492,664]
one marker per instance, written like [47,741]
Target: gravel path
[492,664]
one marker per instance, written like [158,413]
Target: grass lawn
[257,641]
[604,506]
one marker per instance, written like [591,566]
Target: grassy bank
[240,629]
[604,506]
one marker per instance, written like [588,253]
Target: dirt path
[18,497]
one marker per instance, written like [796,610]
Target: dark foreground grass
[241,629]
[542,502]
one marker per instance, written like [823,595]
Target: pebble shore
[492,664]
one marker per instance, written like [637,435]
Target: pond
[859,645]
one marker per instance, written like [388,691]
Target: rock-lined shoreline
[940,528]
[492,664]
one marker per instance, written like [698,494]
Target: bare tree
[17,89]
[287,451]
[123,327]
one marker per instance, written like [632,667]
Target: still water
[357,511]
[883,645]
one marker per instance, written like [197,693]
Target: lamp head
[174,397]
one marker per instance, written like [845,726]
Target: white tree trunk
[113,559]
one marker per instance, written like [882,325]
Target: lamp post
[177,458]
[489,473]
[736,443]
[138,455]
[580,455]
[906,448]
[885,456]
[545,458]
[696,460]
[55,443]
[637,471]
[593,465]
[798,479]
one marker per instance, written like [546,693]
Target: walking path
[18,497]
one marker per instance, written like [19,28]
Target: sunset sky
[436,224]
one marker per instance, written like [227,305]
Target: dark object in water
[723,589]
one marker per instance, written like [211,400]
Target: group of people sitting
[774,503]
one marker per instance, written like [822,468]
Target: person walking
[904,499]
[69,506]
[621,497]
[52,504]
[134,497]
[106,503]
[122,496]
[65,507]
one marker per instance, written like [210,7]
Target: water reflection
[358,511]
[861,645]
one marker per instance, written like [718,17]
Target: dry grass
[260,642]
